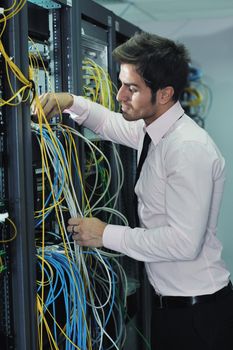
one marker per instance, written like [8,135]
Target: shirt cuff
[113,237]
[79,110]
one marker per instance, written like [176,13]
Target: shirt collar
[160,126]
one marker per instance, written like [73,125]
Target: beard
[129,114]
[126,116]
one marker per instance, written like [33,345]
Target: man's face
[135,96]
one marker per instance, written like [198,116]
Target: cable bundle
[26,88]
[197,97]
[78,310]
[93,276]
[66,298]
[64,198]
[98,86]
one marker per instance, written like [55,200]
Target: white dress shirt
[179,195]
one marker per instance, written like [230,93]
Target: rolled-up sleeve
[107,124]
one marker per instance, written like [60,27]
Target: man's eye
[132,89]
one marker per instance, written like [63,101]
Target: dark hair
[161,62]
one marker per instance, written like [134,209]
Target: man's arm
[109,125]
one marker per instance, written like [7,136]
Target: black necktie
[145,147]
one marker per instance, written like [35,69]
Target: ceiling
[145,13]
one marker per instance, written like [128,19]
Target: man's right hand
[55,103]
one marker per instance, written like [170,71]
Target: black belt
[163,302]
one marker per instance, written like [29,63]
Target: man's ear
[165,95]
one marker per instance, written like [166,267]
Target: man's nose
[122,94]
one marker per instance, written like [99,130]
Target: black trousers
[207,326]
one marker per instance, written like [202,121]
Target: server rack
[55,35]
[18,278]
[50,45]
[92,37]
[69,26]
[19,281]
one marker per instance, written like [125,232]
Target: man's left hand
[87,232]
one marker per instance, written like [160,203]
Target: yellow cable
[197,98]
[4,25]
[16,10]
[15,232]
[50,269]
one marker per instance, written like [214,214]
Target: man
[179,192]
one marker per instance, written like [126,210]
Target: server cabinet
[18,287]
[18,326]
[50,61]
[57,46]
[93,41]
[76,37]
